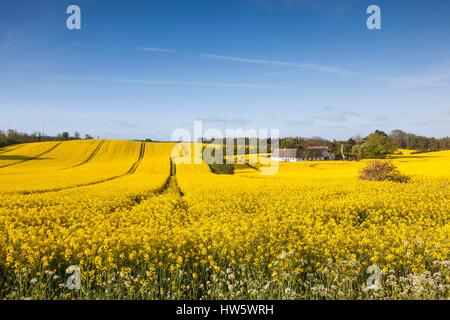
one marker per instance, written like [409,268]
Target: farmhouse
[287,155]
[297,155]
[317,153]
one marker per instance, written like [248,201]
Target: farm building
[297,155]
[287,155]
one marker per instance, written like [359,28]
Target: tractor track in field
[138,162]
[130,171]
[246,165]
[92,155]
[32,158]
[251,167]
[169,188]
[171,184]
[2,152]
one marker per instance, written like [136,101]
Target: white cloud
[380,119]
[125,124]
[434,122]
[156,49]
[329,108]
[447,113]
[339,117]
[306,66]
[201,83]
[335,118]
[299,123]
[174,82]
[225,121]
[351,114]
[436,76]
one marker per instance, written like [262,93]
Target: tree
[400,138]
[3,140]
[292,143]
[419,143]
[88,137]
[65,135]
[343,149]
[376,145]
[76,135]
[357,138]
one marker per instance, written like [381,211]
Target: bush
[222,168]
[382,171]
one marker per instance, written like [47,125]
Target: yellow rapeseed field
[138,227]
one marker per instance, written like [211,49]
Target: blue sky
[142,69]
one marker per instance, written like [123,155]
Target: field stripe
[132,170]
[2,152]
[138,162]
[93,154]
[32,158]
[251,167]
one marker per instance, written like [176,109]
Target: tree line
[376,145]
[11,136]
[420,143]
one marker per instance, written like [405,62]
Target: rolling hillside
[118,210]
